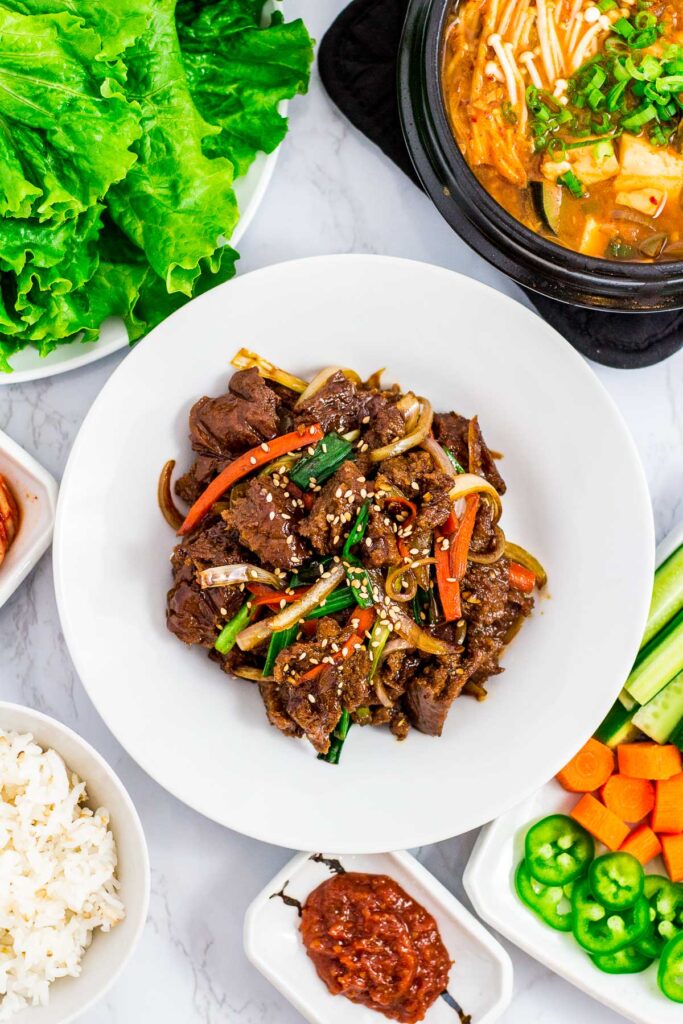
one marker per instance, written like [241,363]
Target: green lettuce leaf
[239,72]
[117,22]
[175,202]
[67,129]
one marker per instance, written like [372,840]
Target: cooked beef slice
[484,592]
[395,718]
[200,474]
[431,692]
[396,671]
[385,421]
[451,431]
[483,536]
[197,616]
[276,709]
[335,508]
[380,547]
[264,516]
[315,707]
[244,417]
[337,406]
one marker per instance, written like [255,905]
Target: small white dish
[489,882]
[109,952]
[480,979]
[36,494]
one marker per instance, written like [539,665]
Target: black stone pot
[529,259]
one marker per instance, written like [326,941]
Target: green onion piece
[357,530]
[359,581]
[670,83]
[228,635]
[327,457]
[572,183]
[278,642]
[641,40]
[338,601]
[337,739]
[644,19]
[650,67]
[508,112]
[451,458]
[640,116]
[607,5]
[623,28]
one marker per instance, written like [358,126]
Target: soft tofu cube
[650,201]
[595,237]
[590,164]
[644,166]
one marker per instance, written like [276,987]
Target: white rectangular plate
[36,493]
[481,976]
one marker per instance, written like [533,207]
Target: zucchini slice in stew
[547,201]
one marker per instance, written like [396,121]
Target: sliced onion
[410,440]
[252,673]
[351,435]
[281,465]
[320,378]
[240,572]
[168,509]
[470,483]
[253,635]
[633,217]
[382,695]
[414,634]
[439,456]
[392,646]
[654,245]
[395,574]
[489,557]
[245,359]
[409,405]
[374,379]
[517,554]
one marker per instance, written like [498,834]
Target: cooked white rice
[57,873]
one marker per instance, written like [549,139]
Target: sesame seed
[366,419]
[415,486]
[265,447]
[311,698]
[269,497]
[271,515]
[338,493]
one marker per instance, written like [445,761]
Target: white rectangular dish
[489,883]
[481,976]
[36,493]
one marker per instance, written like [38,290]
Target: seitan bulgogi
[342,550]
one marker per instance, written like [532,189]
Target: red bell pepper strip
[363,618]
[521,578]
[460,542]
[273,598]
[395,499]
[449,589]
[246,464]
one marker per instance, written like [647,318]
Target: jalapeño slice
[601,931]
[665,900]
[670,974]
[616,880]
[558,850]
[549,902]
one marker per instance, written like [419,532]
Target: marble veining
[332,192]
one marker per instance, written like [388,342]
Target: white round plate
[28,365]
[577,497]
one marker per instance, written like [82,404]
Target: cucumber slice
[627,700]
[676,736]
[548,202]
[661,715]
[617,727]
[667,595]
[661,660]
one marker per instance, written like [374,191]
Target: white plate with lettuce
[141,135]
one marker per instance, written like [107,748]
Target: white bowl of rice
[74,871]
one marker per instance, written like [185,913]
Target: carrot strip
[361,620]
[630,799]
[589,769]
[668,813]
[649,760]
[672,851]
[449,588]
[600,822]
[246,464]
[642,844]
[273,598]
[521,578]
[460,542]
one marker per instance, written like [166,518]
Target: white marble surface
[332,192]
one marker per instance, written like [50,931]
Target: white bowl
[567,452]
[480,979]
[107,956]
[36,493]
